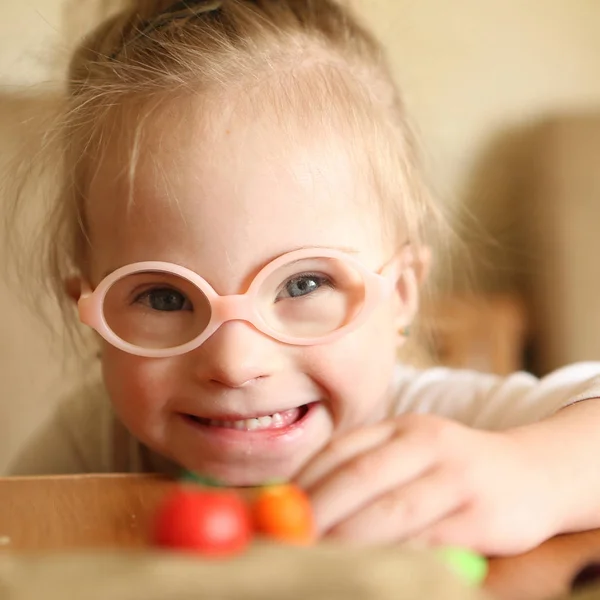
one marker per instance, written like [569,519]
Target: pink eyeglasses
[305,297]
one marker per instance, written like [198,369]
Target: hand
[435,481]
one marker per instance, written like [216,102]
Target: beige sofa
[559,197]
[535,195]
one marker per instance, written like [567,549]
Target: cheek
[139,388]
[356,371]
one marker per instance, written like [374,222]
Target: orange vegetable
[283,512]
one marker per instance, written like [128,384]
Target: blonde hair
[155,50]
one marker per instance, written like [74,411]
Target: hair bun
[148,10]
[155,16]
[113,34]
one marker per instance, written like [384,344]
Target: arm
[498,465]
[556,419]
[491,402]
[567,445]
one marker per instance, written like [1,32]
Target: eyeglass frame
[234,307]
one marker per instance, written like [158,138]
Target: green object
[471,567]
[191,477]
[206,481]
[274,483]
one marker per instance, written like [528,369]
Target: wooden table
[108,511]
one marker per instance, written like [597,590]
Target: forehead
[222,188]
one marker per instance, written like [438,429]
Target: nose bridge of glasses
[233,308]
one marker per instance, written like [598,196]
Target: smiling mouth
[278,420]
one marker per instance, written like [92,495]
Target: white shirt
[84,436]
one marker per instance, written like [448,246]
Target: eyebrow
[346,249]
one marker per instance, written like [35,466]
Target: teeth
[252,424]
[267,422]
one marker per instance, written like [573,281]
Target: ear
[413,269]
[73,288]
[422,263]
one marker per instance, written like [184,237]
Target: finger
[343,450]
[459,529]
[362,480]
[468,528]
[405,511]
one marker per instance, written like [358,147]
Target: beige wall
[470,69]
[34,46]
[30,35]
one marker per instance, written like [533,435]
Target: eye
[302,285]
[164,300]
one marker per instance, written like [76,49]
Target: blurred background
[505,97]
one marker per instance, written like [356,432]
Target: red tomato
[214,523]
[284,512]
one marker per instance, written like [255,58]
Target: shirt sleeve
[77,438]
[491,402]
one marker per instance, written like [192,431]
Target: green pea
[471,567]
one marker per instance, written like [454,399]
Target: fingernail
[586,576]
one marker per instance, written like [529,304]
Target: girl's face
[224,201]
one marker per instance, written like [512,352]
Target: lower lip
[255,434]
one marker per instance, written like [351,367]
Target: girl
[245,219]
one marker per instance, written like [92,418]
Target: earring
[405,331]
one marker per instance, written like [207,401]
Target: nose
[236,355]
